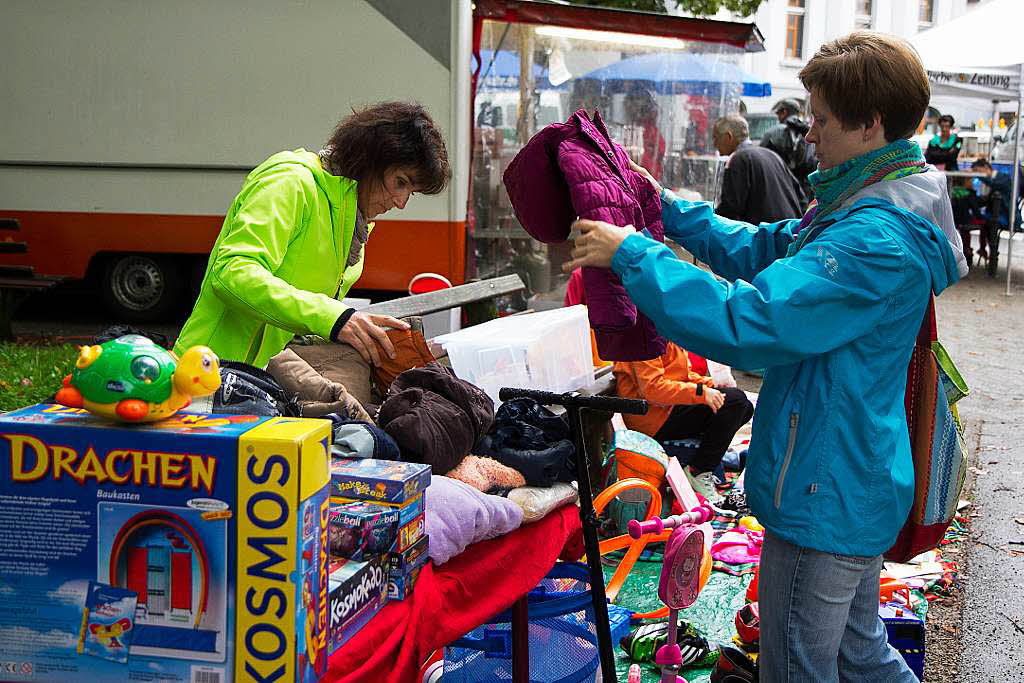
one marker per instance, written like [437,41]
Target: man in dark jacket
[787,140]
[757,187]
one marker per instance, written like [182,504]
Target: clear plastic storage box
[549,351]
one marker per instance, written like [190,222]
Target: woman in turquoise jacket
[293,241]
[831,306]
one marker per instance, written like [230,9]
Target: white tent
[991,68]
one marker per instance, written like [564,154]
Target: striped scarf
[833,186]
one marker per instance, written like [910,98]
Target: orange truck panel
[62,243]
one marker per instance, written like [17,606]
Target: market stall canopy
[989,66]
[674,73]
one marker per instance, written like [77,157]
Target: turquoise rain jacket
[829,464]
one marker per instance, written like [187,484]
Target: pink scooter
[680,576]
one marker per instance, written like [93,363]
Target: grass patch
[30,373]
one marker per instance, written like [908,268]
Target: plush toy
[132,379]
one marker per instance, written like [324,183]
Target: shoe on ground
[733,666]
[643,643]
[704,484]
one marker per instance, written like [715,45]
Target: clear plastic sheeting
[658,96]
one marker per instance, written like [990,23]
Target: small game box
[400,585]
[358,530]
[357,592]
[413,556]
[189,549]
[378,481]
[409,533]
[408,510]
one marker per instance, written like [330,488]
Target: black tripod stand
[575,404]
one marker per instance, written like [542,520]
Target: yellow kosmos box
[192,549]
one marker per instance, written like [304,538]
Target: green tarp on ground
[712,614]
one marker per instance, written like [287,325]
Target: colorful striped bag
[936,442]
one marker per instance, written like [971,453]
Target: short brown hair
[867,73]
[371,141]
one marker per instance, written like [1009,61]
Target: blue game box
[189,549]
[378,481]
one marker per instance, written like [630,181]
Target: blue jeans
[819,618]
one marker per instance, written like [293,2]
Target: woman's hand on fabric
[714,399]
[596,244]
[367,334]
[647,174]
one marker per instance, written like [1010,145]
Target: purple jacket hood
[574,169]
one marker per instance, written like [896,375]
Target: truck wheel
[142,288]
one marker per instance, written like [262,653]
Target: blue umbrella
[503,72]
[674,73]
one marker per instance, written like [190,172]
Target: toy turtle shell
[128,367]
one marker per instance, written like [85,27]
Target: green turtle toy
[130,378]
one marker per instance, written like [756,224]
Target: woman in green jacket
[293,241]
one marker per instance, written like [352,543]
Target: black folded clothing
[539,467]
[528,411]
[532,440]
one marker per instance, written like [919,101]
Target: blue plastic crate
[563,639]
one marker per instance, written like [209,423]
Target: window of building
[795,29]
[864,13]
[925,13]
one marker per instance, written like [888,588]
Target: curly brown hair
[369,142]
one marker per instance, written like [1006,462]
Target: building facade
[794,30]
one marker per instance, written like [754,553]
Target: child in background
[684,405]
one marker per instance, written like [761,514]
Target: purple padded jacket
[571,170]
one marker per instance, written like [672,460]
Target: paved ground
[978,636]
[983,330]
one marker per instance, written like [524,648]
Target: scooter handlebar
[656,525]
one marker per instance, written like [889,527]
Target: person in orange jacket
[684,405]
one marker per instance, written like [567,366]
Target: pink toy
[634,673]
[740,546]
[680,576]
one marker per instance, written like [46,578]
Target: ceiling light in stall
[611,37]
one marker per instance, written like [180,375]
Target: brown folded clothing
[436,378]
[428,428]
[411,351]
[317,394]
[342,364]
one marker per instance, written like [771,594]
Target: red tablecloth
[453,599]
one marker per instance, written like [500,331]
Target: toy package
[405,561]
[400,585]
[107,621]
[189,549]
[378,481]
[357,530]
[404,568]
[407,510]
[357,592]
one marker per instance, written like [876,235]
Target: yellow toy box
[191,550]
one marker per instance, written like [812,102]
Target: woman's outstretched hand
[596,244]
[367,334]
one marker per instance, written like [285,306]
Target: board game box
[357,592]
[189,549]
[407,510]
[414,556]
[358,530]
[378,481]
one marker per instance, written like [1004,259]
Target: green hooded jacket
[278,266]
